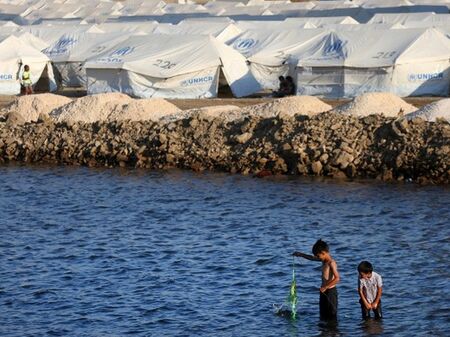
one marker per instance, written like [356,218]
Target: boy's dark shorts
[366,313]
[328,304]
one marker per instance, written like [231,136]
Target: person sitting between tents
[26,80]
[281,92]
[286,88]
[290,86]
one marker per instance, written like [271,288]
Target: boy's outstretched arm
[335,280]
[306,256]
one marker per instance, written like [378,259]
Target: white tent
[223,31]
[52,33]
[15,53]
[169,66]
[272,53]
[220,7]
[401,18]
[323,21]
[69,53]
[134,27]
[411,62]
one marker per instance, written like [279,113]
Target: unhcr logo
[62,46]
[122,51]
[197,80]
[5,77]
[244,44]
[425,77]
[335,47]
[65,42]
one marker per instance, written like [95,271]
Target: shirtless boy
[330,277]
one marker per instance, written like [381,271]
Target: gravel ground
[185,104]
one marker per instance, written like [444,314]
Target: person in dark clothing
[282,88]
[290,86]
[328,302]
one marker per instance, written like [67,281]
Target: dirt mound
[225,113]
[90,109]
[429,112]
[143,109]
[31,106]
[383,103]
[292,105]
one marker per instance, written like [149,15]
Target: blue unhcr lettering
[425,76]
[122,51]
[5,77]
[197,80]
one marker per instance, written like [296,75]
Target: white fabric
[177,59]
[71,51]
[50,34]
[370,286]
[199,84]
[13,53]
[223,31]
[409,62]
[78,47]
[273,47]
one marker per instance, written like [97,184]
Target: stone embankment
[326,144]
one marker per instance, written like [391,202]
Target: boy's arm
[335,280]
[363,298]
[378,298]
[306,256]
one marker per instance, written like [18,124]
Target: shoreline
[328,144]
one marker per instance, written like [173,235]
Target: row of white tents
[406,54]
[27,12]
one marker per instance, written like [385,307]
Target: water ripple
[89,252]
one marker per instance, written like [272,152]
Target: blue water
[87,252]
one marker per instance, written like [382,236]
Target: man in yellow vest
[26,80]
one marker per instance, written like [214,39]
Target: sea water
[87,252]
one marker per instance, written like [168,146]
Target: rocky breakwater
[326,144]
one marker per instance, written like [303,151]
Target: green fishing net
[292,297]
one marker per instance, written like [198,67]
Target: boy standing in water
[370,288]
[330,277]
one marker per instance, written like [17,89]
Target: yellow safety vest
[26,77]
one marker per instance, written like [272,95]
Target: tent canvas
[169,66]
[13,54]
[223,31]
[69,53]
[272,53]
[346,64]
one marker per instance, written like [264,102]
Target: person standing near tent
[25,80]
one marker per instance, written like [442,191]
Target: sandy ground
[198,103]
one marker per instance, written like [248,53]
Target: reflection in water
[329,329]
[372,326]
